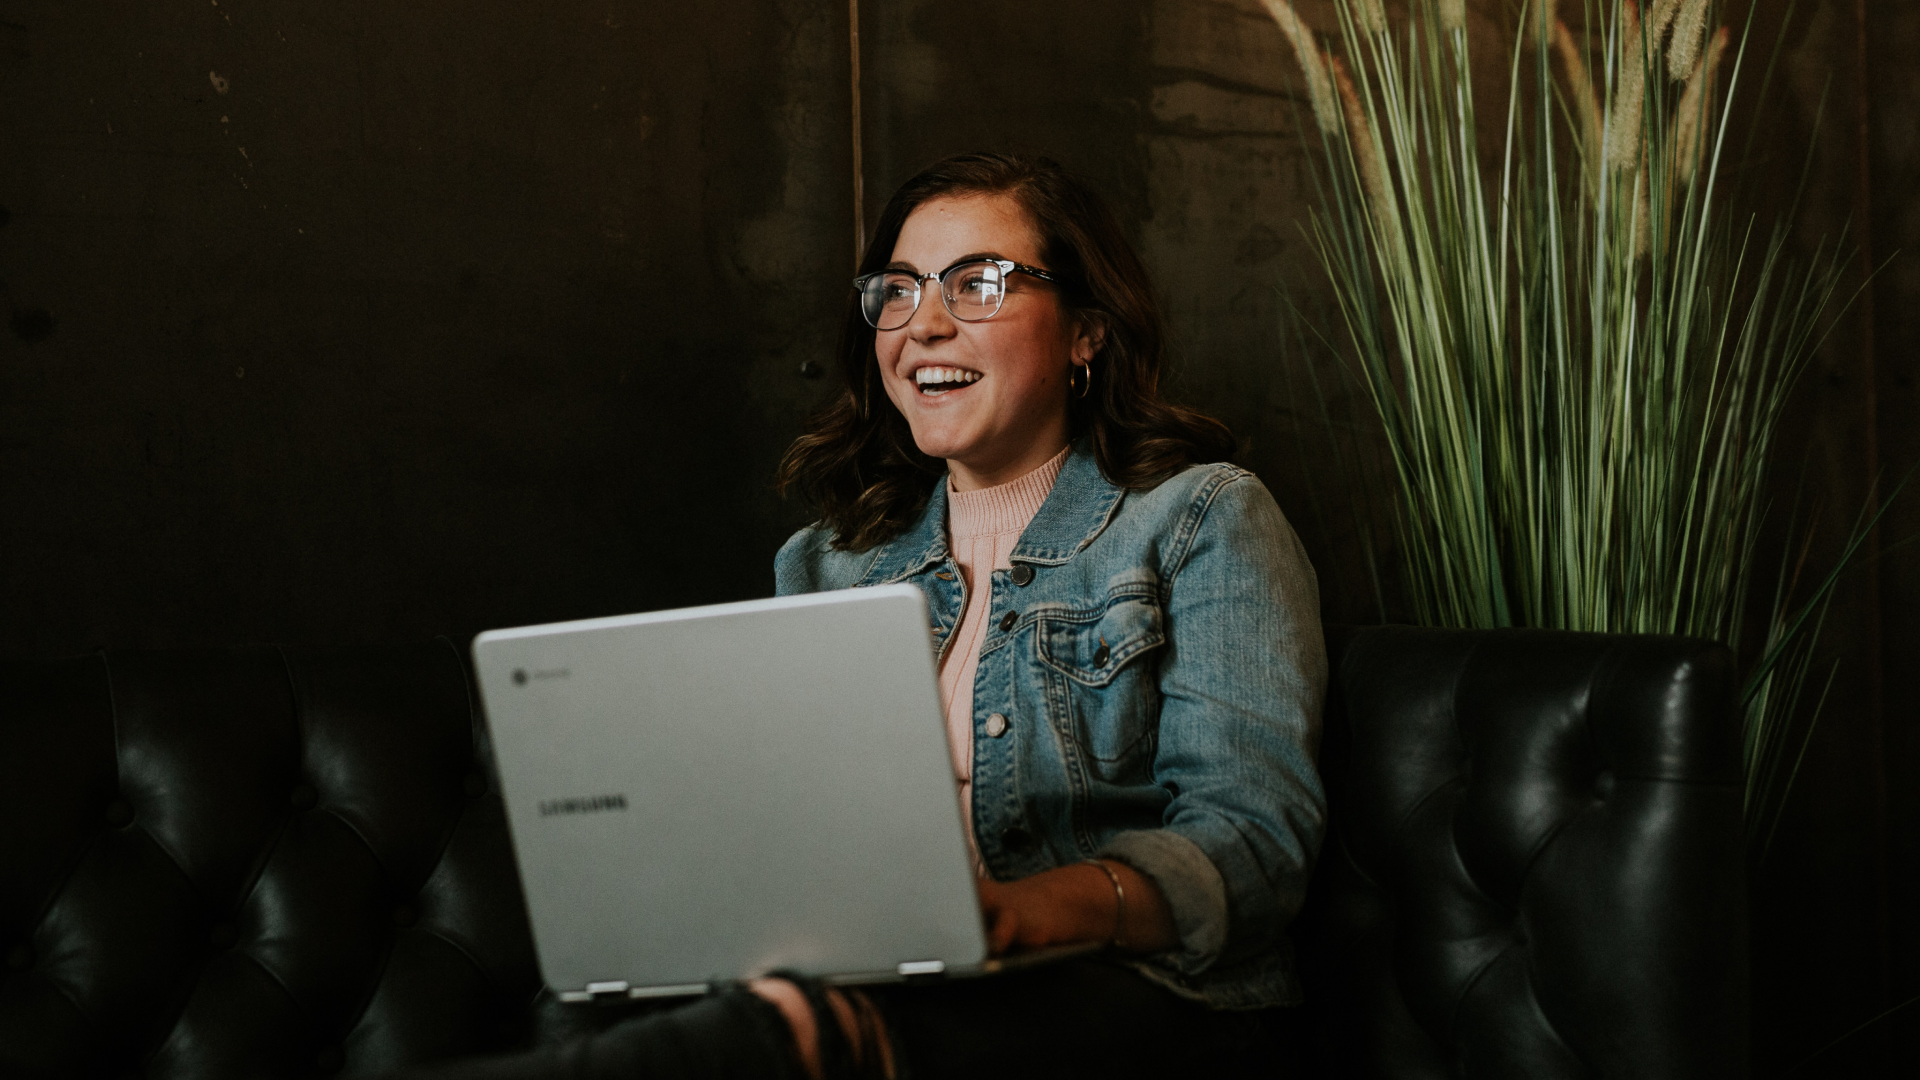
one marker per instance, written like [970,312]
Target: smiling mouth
[934,381]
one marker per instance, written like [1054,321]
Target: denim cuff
[1191,885]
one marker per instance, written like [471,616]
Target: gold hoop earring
[1086,384]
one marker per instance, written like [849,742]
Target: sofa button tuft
[405,916]
[303,797]
[20,957]
[119,814]
[221,935]
[474,785]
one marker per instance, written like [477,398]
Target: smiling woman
[1127,633]
[980,377]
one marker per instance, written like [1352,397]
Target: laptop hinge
[671,990]
[922,967]
[615,990]
[621,990]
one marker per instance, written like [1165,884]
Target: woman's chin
[941,433]
[940,437]
[943,448]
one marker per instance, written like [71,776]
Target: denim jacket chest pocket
[1104,689]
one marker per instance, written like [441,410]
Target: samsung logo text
[590,804]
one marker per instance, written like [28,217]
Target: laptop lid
[717,792]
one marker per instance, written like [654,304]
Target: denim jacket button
[1022,574]
[996,726]
[1007,621]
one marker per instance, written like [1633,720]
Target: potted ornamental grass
[1578,354]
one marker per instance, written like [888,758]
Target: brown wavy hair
[857,464]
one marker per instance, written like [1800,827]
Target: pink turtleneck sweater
[982,528]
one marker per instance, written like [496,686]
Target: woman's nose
[931,321]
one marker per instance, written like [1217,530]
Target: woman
[1130,660]
[1130,650]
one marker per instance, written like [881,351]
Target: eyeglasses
[973,290]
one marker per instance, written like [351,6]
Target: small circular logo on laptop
[519,676]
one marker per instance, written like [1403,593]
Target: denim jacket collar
[924,543]
[1080,505]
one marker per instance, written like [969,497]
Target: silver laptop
[719,792]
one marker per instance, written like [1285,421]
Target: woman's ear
[1090,336]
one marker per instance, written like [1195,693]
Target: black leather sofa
[275,862]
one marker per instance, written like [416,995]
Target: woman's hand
[1071,904]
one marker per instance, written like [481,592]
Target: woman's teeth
[938,380]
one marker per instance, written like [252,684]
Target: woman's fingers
[999,931]
[1006,927]
[1003,922]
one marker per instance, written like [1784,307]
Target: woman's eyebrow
[908,268]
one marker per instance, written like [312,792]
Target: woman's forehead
[947,228]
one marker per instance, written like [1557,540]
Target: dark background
[349,321]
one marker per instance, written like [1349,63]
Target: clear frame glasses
[972,289]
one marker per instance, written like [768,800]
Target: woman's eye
[978,285]
[893,290]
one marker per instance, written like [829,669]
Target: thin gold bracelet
[1119,900]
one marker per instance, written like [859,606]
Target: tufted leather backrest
[266,862]
[252,862]
[1535,863]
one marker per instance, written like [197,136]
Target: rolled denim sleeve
[1242,681]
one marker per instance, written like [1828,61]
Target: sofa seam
[79,858]
[466,954]
[1466,990]
[292,998]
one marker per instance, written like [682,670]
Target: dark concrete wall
[422,318]
[1887,155]
[337,321]
[1836,896]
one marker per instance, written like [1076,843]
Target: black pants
[1090,1017]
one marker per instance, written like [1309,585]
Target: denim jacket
[1157,661]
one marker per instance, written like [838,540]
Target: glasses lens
[973,291]
[888,300]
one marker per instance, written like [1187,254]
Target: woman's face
[990,397]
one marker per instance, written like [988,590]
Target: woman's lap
[1087,1017]
[1091,1017]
